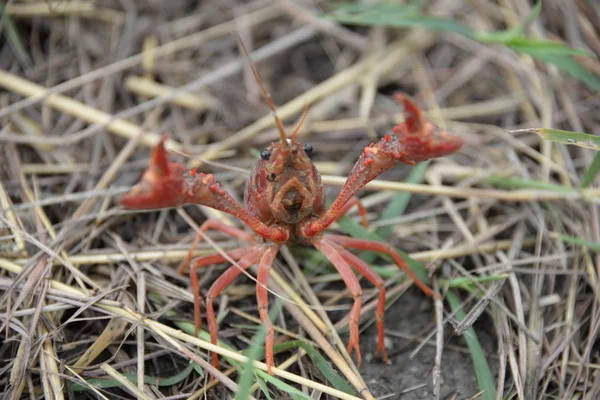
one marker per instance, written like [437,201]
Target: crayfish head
[285,186]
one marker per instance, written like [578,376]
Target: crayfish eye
[265,154]
[308,149]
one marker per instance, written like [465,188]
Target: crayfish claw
[162,185]
[419,138]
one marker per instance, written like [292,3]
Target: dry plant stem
[485,108]
[110,173]
[439,343]
[127,384]
[54,169]
[227,70]
[87,113]
[164,331]
[299,302]
[516,290]
[514,142]
[114,329]
[503,335]
[84,382]
[17,373]
[343,34]
[115,123]
[194,40]
[49,8]
[52,200]
[591,195]
[141,301]
[178,255]
[52,383]
[392,55]
[16,162]
[6,206]
[370,81]
[144,86]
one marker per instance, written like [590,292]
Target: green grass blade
[571,67]
[535,12]
[320,362]
[580,242]
[14,38]
[509,182]
[482,369]
[101,383]
[468,283]
[399,202]
[592,172]
[263,386]
[580,139]
[409,16]
[361,8]
[247,377]
[284,387]
[540,47]
[399,16]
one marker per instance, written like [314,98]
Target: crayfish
[285,202]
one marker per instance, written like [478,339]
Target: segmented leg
[365,270]
[338,261]
[364,244]
[263,303]
[195,285]
[251,256]
[218,226]
[362,211]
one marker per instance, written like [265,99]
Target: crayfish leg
[217,225]
[362,211]
[371,245]
[195,285]
[365,270]
[266,261]
[248,257]
[336,258]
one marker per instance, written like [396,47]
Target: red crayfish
[285,202]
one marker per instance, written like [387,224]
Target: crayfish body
[284,201]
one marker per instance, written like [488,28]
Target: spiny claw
[162,185]
[419,138]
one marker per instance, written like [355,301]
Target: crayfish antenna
[265,93]
[299,125]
